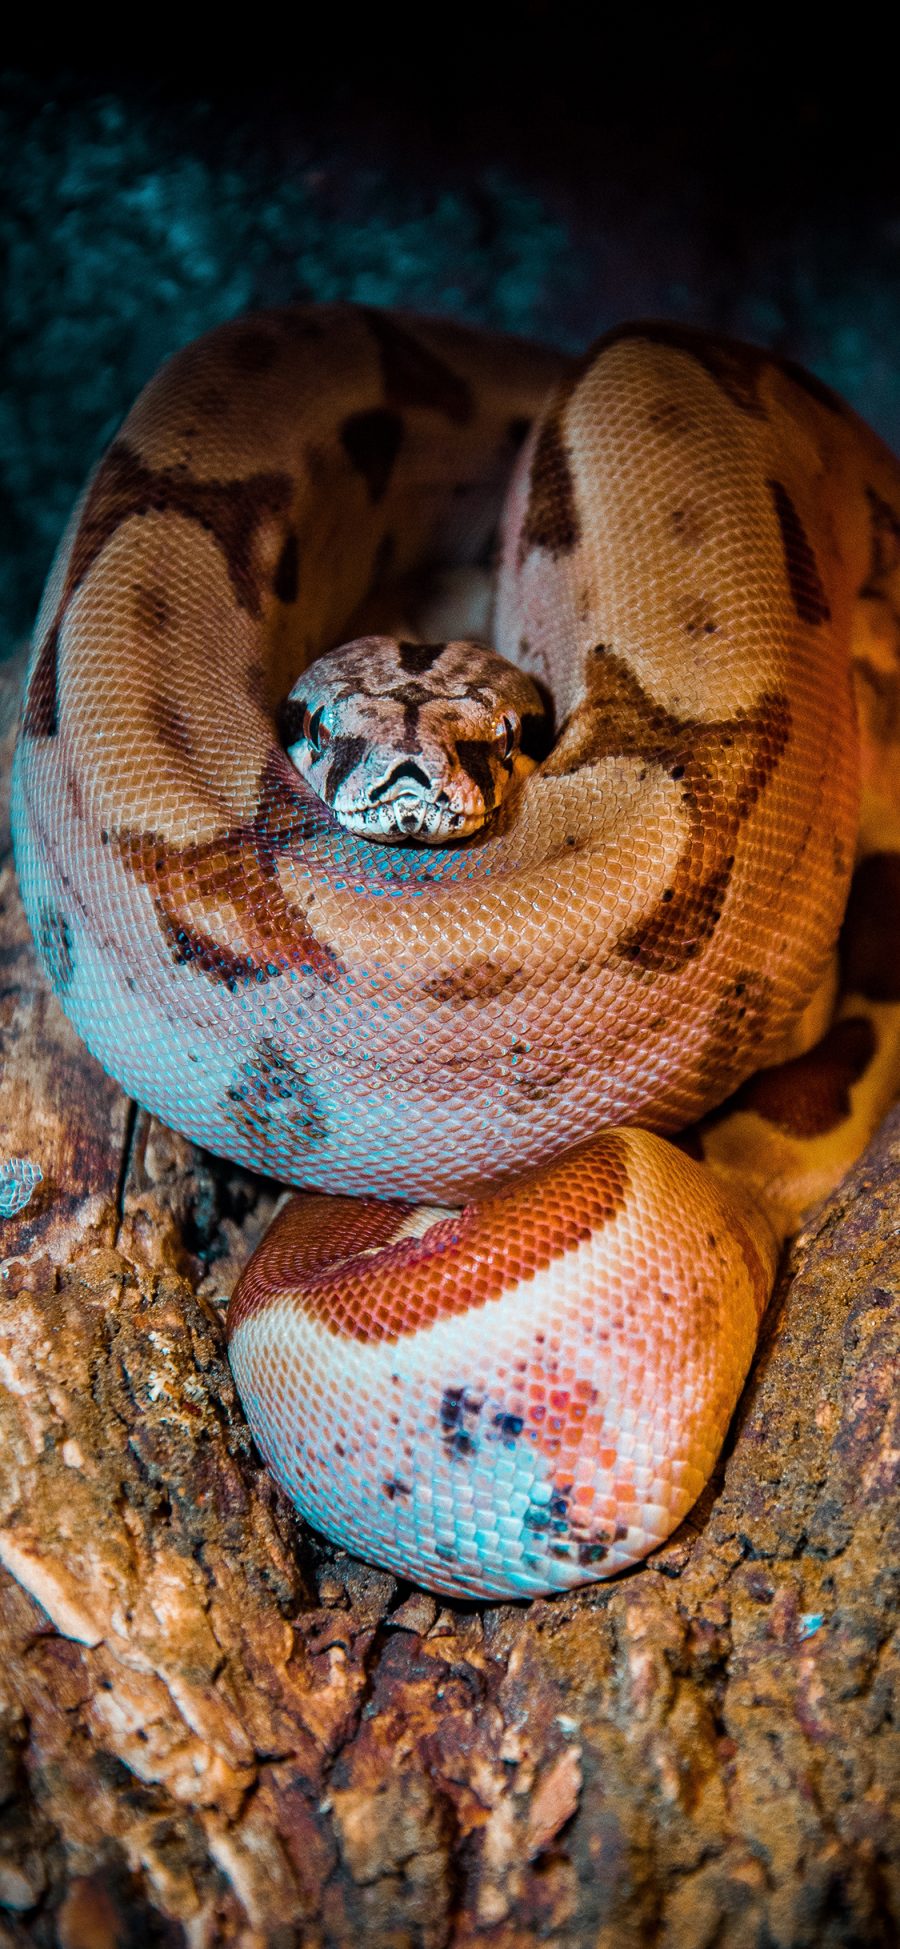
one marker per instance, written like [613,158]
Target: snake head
[417,741]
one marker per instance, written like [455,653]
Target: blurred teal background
[538,175]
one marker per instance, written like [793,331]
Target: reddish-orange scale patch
[315,1250]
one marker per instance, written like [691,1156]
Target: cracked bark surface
[217,1729]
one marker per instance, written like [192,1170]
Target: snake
[459,781]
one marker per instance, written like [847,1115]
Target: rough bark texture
[215,1729]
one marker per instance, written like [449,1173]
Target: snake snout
[414,805]
[405,781]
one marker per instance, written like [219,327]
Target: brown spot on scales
[41,715]
[697,615]
[721,769]
[231,511]
[475,981]
[475,755]
[372,441]
[151,609]
[678,929]
[415,377]
[551,517]
[810,1095]
[736,367]
[235,875]
[253,345]
[54,944]
[738,1025]
[535,1088]
[807,590]
[190,946]
[170,725]
[270,1088]
[416,659]
[286,579]
[689,525]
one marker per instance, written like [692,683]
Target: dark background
[544,169]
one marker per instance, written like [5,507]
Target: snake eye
[315,731]
[506,735]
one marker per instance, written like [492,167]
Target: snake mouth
[411,817]
[409,805]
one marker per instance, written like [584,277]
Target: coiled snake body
[522,1383]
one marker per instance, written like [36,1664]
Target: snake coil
[499,1347]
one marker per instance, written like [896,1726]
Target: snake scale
[497,1345]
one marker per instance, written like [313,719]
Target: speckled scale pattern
[698,545]
[551,1428]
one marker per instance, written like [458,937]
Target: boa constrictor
[523,1382]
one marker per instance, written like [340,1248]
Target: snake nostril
[407,773]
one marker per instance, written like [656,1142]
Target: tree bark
[217,1729]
